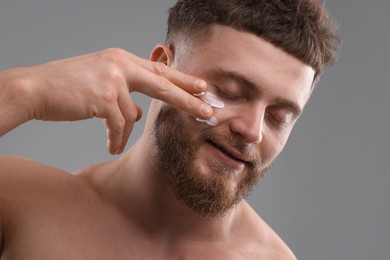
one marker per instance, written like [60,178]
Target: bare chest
[70,236]
[98,237]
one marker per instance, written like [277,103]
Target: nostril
[251,132]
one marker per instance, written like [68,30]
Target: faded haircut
[302,28]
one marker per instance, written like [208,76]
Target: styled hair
[302,28]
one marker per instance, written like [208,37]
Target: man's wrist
[20,93]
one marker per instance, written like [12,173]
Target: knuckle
[111,79]
[132,117]
[109,95]
[160,68]
[113,75]
[191,102]
[163,86]
[115,56]
[118,126]
[115,51]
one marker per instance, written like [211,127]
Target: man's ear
[162,53]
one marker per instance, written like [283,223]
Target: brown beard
[209,196]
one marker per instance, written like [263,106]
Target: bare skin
[95,85]
[122,209]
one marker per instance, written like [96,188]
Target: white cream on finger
[213,101]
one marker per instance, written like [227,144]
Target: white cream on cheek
[211,122]
[213,101]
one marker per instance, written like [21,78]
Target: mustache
[247,151]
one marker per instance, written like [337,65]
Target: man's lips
[230,152]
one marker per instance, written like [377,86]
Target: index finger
[162,88]
[188,83]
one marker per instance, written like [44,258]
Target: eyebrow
[283,102]
[292,106]
[221,73]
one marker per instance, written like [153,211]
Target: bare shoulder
[21,171]
[23,181]
[12,163]
[40,204]
[265,242]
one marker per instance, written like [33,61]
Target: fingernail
[200,84]
[205,109]
[199,94]
[211,122]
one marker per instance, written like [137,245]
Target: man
[178,193]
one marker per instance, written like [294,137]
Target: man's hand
[95,85]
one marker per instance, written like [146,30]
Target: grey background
[328,195]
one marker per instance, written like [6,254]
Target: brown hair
[302,28]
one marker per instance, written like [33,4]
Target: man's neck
[136,186]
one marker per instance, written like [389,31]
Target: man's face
[264,89]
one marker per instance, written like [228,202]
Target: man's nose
[249,123]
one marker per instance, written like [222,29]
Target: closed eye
[230,96]
[280,119]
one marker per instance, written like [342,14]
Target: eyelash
[279,124]
[225,95]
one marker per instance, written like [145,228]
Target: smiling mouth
[227,153]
